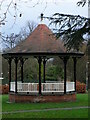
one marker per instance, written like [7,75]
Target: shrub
[80,87]
[4,89]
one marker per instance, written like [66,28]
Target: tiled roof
[40,40]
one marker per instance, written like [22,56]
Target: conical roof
[41,39]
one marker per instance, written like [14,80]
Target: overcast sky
[31,11]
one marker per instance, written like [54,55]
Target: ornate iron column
[65,59]
[39,61]
[16,62]
[75,61]
[22,62]
[65,73]
[44,65]
[9,63]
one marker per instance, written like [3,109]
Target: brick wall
[44,98]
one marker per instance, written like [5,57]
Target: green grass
[52,114]
[82,100]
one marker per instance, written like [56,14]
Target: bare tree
[15,5]
[7,11]
[27,30]
[12,40]
[31,25]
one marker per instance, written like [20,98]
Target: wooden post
[9,63]
[75,61]
[16,62]
[39,61]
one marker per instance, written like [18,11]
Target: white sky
[30,13]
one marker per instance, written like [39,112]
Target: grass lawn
[51,114]
[82,100]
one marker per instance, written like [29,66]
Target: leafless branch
[5,14]
[83,2]
[45,7]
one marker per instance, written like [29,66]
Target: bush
[4,89]
[80,87]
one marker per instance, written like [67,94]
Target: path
[48,109]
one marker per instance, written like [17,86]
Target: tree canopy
[72,28]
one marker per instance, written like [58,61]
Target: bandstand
[41,44]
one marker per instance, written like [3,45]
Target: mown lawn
[82,100]
[81,113]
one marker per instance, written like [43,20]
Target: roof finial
[41,16]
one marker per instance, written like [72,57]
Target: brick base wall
[41,98]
